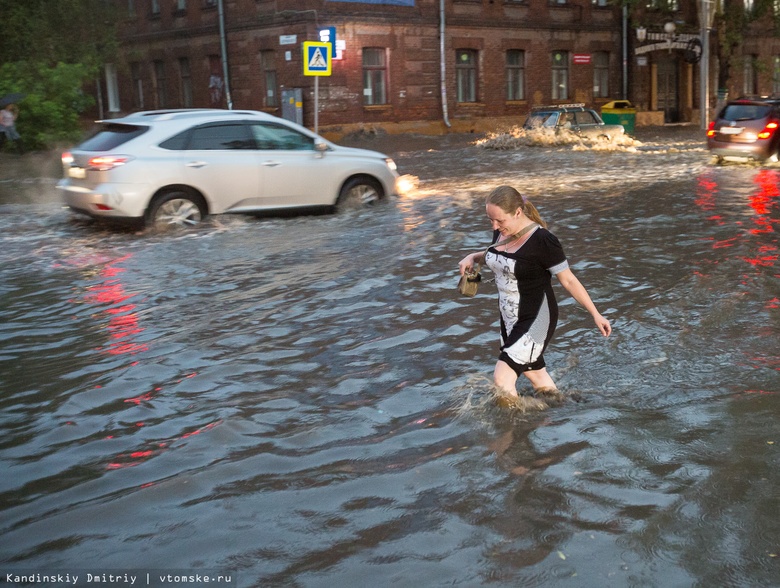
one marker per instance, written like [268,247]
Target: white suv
[174,167]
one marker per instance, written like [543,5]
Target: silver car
[574,118]
[174,167]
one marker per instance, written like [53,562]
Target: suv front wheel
[175,208]
[359,192]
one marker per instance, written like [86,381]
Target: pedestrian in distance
[524,256]
[8,131]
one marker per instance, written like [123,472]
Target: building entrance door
[668,87]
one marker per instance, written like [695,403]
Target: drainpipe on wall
[223,44]
[443,68]
[625,52]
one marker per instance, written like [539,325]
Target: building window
[601,3]
[131,7]
[374,76]
[560,75]
[776,75]
[155,7]
[138,86]
[600,74]
[185,80]
[210,3]
[515,74]
[216,83]
[159,84]
[268,64]
[112,87]
[749,6]
[749,78]
[466,75]
[181,5]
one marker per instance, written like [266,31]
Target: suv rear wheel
[175,208]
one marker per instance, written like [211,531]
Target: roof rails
[759,97]
[580,105]
[176,113]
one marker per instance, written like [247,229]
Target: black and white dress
[529,311]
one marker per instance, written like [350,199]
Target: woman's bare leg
[540,379]
[505,379]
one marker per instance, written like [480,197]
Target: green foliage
[51,49]
[50,111]
[53,31]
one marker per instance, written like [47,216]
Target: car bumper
[757,151]
[117,201]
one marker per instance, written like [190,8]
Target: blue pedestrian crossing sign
[317,58]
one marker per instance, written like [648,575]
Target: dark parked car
[574,118]
[746,128]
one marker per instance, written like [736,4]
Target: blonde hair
[509,200]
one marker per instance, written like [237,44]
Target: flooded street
[306,401]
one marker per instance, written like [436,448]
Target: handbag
[469,281]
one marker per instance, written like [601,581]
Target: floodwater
[306,401]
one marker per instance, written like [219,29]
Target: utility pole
[223,46]
[705,23]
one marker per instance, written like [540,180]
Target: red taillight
[769,129]
[107,162]
[103,207]
[711,129]
[67,158]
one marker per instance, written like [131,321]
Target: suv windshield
[738,112]
[112,135]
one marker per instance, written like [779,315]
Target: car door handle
[271,163]
[197,164]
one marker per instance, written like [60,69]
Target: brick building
[425,65]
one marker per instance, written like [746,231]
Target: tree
[51,50]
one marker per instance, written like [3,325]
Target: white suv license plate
[731,130]
[77,172]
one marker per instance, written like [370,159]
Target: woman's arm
[468,262]
[569,281]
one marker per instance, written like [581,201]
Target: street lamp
[669,29]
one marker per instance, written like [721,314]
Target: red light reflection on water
[705,193]
[763,201]
[755,235]
[143,397]
[136,458]
[123,323]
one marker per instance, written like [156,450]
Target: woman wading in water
[524,257]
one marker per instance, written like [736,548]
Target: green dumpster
[619,112]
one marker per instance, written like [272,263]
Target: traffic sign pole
[317,61]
